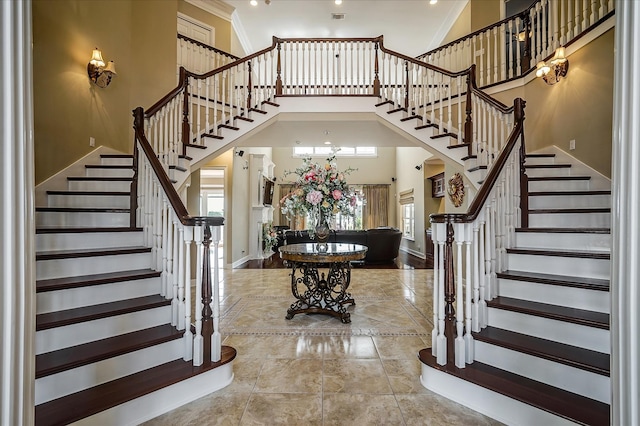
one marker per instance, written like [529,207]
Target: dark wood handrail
[206,46]
[491,179]
[182,83]
[422,63]
[172,195]
[481,30]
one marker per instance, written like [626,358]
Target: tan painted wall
[68,108]
[222,26]
[483,13]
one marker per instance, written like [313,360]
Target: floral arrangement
[321,191]
[269,236]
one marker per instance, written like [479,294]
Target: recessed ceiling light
[433,1]
[253,2]
[327,142]
[338,2]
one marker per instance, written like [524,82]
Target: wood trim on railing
[182,82]
[491,179]
[170,191]
[206,46]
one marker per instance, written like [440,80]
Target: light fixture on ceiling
[100,74]
[253,2]
[327,141]
[433,1]
[554,70]
[338,2]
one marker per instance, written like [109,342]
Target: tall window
[344,151]
[408,214]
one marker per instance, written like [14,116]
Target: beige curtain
[376,210]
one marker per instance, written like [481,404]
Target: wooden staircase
[543,357]
[106,350]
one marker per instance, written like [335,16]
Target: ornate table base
[319,295]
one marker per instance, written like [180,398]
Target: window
[408,221]
[325,151]
[408,214]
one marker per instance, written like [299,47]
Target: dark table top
[335,252]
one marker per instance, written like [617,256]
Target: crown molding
[237,26]
[451,18]
[216,7]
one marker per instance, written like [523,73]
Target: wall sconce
[556,68]
[97,71]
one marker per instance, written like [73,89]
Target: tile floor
[314,370]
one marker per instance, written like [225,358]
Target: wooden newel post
[376,79]
[468,123]
[249,87]
[518,114]
[138,123]
[207,319]
[449,297]
[186,129]
[278,71]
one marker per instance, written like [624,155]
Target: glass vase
[322,233]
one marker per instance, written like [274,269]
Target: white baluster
[459,341]
[436,289]
[563,22]
[482,274]
[216,339]
[469,295]
[488,250]
[494,262]
[165,248]
[496,58]
[180,270]
[188,334]
[173,269]
[198,342]
[475,315]
[441,346]
[585,15]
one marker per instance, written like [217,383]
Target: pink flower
[314,197]
[337,194]
[353,201]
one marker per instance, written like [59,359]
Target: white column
[17,252]
[625,245]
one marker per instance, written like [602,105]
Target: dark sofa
[383,243]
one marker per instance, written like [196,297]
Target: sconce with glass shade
[556,68]
[100,74]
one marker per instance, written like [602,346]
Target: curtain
[375,212]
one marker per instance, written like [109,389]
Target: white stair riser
[95,201]
[88,240]
[591,385]
[558,185]
[58,268]
[95,185]
[539,160]
[92,172]
[570,220]
[84,377]
[578,298]
[569,201]
[559,171]
[591,338]
[563,241]
[556,265]
[59,300]
[88,331]
[82,219]
[116,161]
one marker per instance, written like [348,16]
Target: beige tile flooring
[314,370]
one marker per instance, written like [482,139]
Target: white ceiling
[410,27]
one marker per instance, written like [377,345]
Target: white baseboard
[414,253]
[239,262]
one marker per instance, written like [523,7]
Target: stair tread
[589,254]
[190,145]
[85,193]
[87,353]
[556,312]
[270,103]
[94,279]
[66,254]
[84,230]
[383,103]
[585,359]
[476,168]
[227,126]
[426,126]
[565,280]
[116,156]
[571,210]
[451,135]
[84,209]
[103,310]
[540,155]
[411,117]
[566,230]
[545,397]
[90,401]
[565,193]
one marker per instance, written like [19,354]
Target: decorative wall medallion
[456,189]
